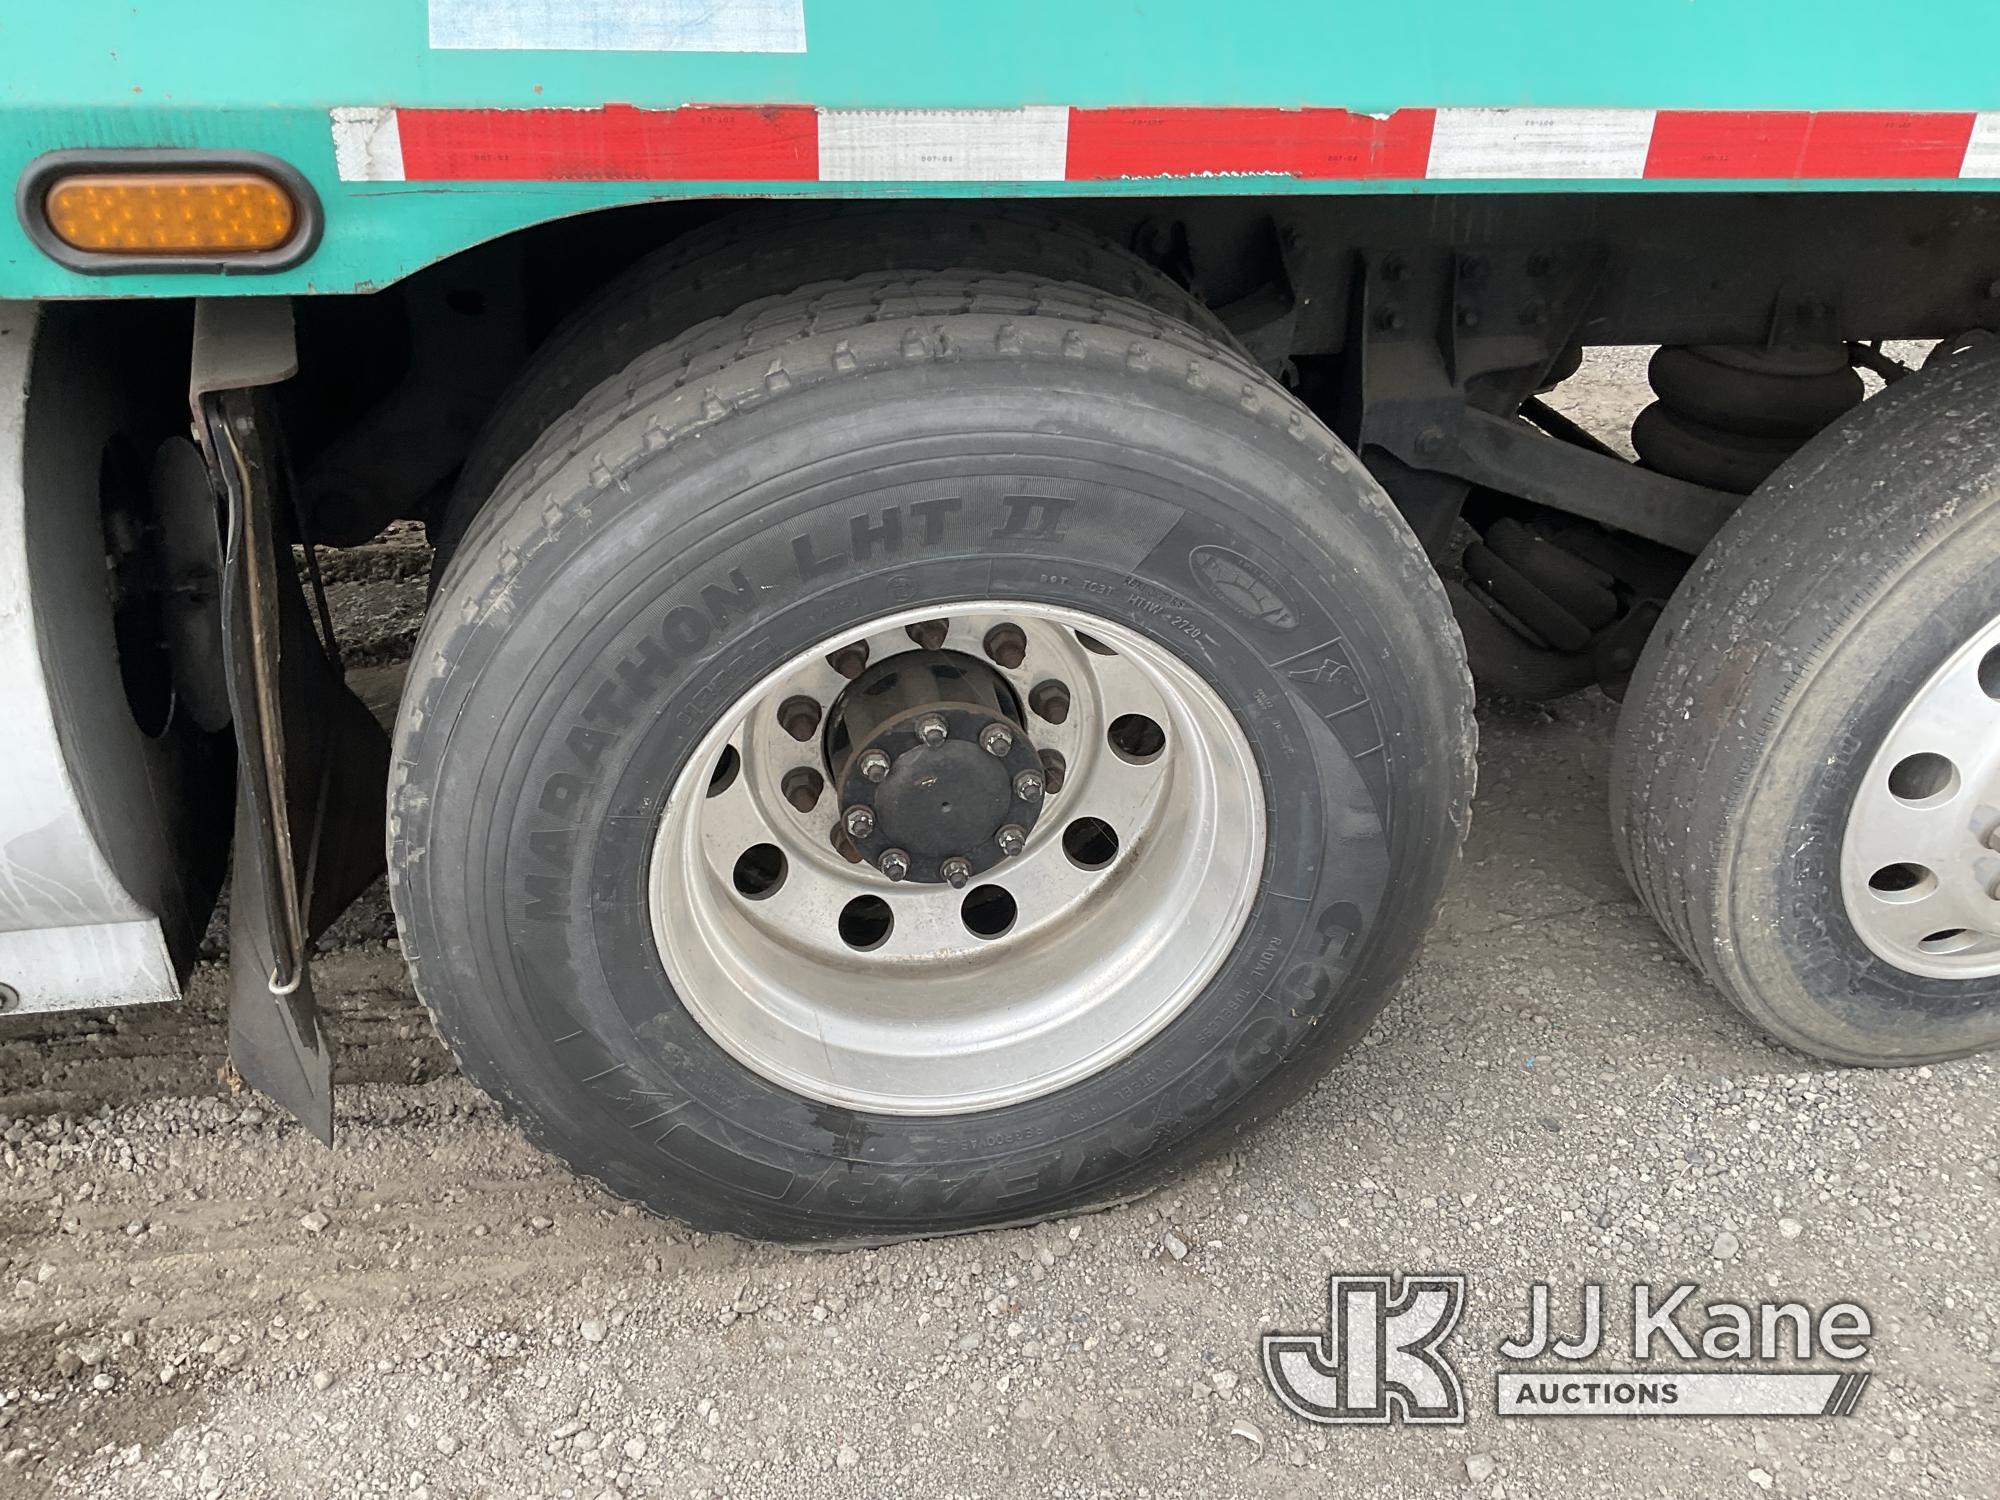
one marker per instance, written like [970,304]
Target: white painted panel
[1475,144]
[944,145]
[89,968]
[367,145]
[619,25]
[86,851]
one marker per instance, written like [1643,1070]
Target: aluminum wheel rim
[1920,863]
[938,1018]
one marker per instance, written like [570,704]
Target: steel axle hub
[938,779]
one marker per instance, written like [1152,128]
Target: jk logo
[1378,1357]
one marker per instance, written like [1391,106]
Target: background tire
[722,505]
[765,252]
[1777,671]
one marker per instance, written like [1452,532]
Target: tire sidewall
[607,649]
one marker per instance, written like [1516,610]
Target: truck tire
[637,718]
[762,252]
[1807,780]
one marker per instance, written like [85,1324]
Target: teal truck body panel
[1314,96]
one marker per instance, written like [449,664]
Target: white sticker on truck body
[618,25]
[943,145]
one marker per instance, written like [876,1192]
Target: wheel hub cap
[956,754]
[937,865]
[1920,860]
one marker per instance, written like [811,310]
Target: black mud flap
[312,763]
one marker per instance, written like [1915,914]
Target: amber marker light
[168,209]
[170,213]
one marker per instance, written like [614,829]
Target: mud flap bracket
[312,763]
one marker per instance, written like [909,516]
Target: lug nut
[933,730]
[1011,839]
[1028,786]
[1050,700]
[1006,645]
[849,661]
[799,717]
[859,822]
[956,871]
[996,740]
[929,634]
[1054,768]
[874,765]
[894,863]
[802,786]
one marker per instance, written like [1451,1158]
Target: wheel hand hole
[1136,738]
[1989,673]
[1950,940]
[865,922]
[1923,777]
[723,777]
[760,870]
[1902,882]
[989,910]
[1090,843]
[1092,643]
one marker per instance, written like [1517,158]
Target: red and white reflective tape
[794,143]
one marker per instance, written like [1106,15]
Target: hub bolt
[1011,839]
[850,661]
[933,730]
[929,634]
[1028,786]
[802,786]
[956,871]
[1050,700]
[997,740]
[859,822]
[1007,645]
[1053,769]
[800,717]
[874,765]
[894,863]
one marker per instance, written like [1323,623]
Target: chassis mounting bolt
[996,740]
[894,863]
[933,730]
[859,822]
[1012,839]
[1028,786]
[956,871]
[874,765]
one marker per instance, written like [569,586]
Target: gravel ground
[202,1301]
